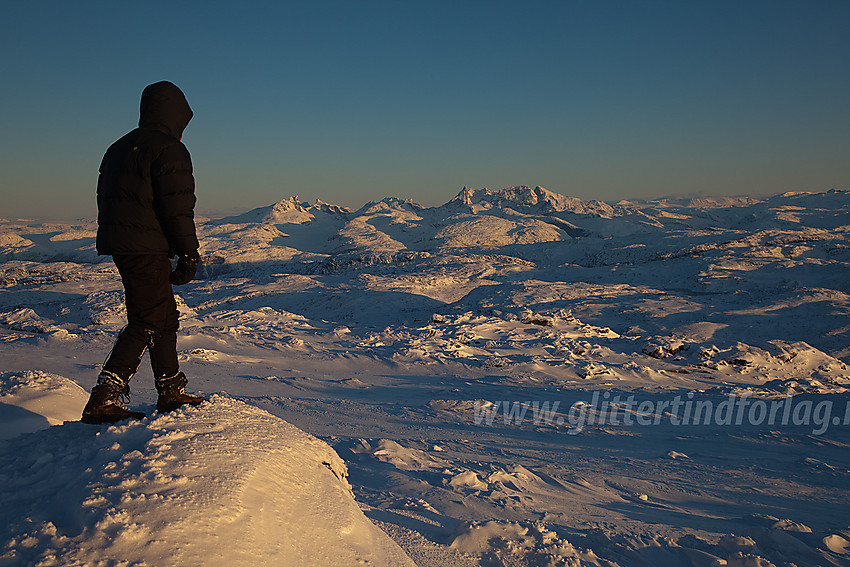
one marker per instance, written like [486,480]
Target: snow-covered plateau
[514,378]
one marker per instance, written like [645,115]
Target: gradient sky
[355,101]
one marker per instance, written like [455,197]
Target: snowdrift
[223,484]
[30,401]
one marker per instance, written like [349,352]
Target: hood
[164,108]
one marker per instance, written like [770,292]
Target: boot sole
[104,420]
[166,409]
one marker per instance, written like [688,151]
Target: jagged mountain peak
[523,198]
[291,204]
[288,210]
[329,208]
[390,204]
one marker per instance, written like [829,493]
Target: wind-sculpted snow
[224,484]
[515,377]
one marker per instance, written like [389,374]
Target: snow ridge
[226,484]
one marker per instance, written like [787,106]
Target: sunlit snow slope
[223,484]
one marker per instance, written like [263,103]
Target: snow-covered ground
[513,378]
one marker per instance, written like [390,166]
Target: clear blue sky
[357,100]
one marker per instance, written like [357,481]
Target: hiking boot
[172,393]
[106,405]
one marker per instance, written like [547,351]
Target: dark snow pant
[151,318]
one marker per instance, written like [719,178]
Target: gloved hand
[187,263]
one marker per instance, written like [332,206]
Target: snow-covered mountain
[530,201]
[515,377]
[285,211]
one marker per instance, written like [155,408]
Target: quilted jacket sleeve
[174,197]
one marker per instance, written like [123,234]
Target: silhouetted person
[146,202]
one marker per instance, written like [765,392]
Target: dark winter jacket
[146,191]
